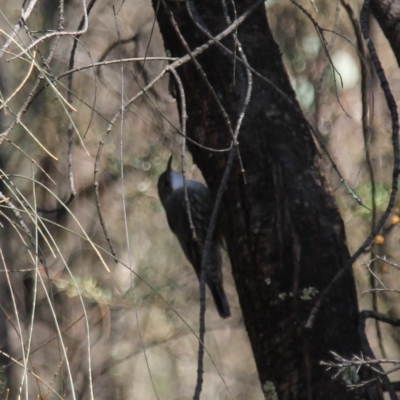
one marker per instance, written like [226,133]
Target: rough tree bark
[387,13]
[286,238]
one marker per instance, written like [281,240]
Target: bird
[171,192]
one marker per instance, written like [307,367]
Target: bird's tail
[220,300]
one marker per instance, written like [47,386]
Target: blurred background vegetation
[73,327]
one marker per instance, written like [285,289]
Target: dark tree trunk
[286,239]
[387,13]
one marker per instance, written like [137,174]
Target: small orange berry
[379,239]
[395,220]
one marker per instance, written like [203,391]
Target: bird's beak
[169,163]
